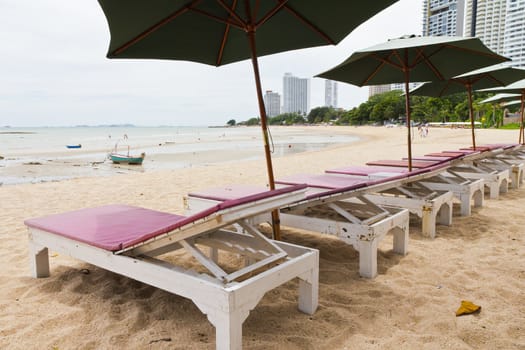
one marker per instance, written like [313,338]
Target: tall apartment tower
[514,37]
[485,19]
[272,103]
[296,94]
[378,89]
[330,93]
[443,17]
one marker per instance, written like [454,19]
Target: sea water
[40,154]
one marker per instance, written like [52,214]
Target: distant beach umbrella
[499,98]
[413,59]
[218,32]
[515,88]
[494,76]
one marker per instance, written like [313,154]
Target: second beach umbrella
[413,59]
[218,32]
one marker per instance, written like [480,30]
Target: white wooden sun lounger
[340,209]
[431,206]
[131,241]
[503,157]
[465,190]
[472,167]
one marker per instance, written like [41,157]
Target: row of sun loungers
[358,204]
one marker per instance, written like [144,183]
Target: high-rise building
[485,19]
[330,93]
[514,37]
[377,89]
[296,94]
[443,17]
[272,103]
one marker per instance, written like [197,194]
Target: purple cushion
[110,227]
[116,227]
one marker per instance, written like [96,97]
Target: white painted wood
[226,305]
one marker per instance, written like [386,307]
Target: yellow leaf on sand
[467,307]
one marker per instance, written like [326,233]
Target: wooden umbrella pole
[407,106]
[262,112]
[521,139]
[471,114]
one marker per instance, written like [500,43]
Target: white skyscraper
[514,38]
[443,17]
[272,103]
[296,94]
[485,19]
[330,93]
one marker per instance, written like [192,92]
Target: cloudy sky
[53,71]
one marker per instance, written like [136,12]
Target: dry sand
[410,305]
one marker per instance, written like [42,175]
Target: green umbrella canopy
[413,59]
[426,58]
[218,32]
[515,88]
[493,76]
[501,98]
[214,32]
[498,75]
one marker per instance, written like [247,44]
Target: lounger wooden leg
[309,291]
[400,240]
[504,186]
[228,327]
[368,258]
[428,219]
[465,203]
[478,198]
[39,260]
[494,189]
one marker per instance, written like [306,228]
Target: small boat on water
[126,158]
[74,146]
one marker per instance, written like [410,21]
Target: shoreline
[411,304]
[36,166]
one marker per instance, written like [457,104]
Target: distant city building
[401,86]
[485,19]
[296,94]
[377,89]
[330,93]
[272,103]
[443,17]
[514,38]
[500,24]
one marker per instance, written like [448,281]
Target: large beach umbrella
[498,75]
[413,59]
[218,32]
[515,88]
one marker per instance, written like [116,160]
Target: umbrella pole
[407,106]
[471,115]
[262,112]
[522,140]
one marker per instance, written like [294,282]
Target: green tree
[231,122]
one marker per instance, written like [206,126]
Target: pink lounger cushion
[446,155]
[116,227]
[229,192]
[323,181]
[403,163]
[110,227]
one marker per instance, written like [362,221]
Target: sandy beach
[411,304]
